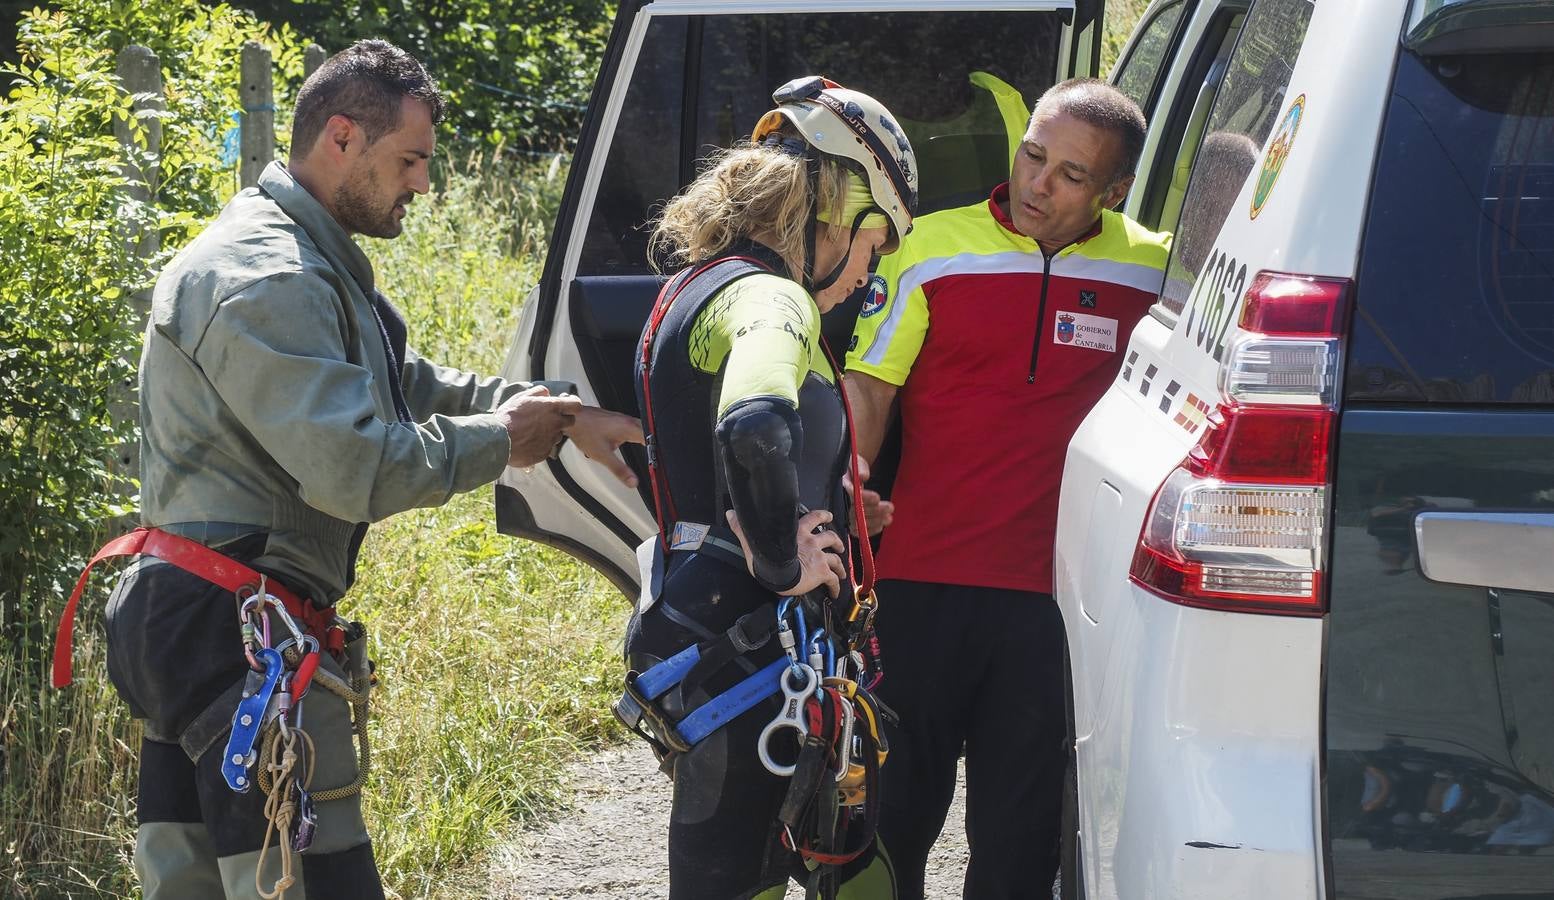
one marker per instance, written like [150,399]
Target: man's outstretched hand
[535,422]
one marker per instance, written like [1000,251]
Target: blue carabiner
[247,719]
[803,628]
[820,642]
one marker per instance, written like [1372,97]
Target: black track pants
[724,836]
[173,653]
[983,668]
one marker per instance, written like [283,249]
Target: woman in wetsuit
[750,444]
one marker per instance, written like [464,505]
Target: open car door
[682,77]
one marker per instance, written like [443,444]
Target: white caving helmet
[861,132]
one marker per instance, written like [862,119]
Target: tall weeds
[497,656]
[67,336]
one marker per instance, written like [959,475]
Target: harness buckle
[634,708]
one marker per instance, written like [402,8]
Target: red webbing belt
[196,559]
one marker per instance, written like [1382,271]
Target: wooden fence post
[312,57]
[258,123]
[140,74]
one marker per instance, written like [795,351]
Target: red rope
[866,586]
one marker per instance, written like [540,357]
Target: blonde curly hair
[752,191]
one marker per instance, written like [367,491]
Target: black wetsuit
[769,461]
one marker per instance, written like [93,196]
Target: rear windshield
[1456,277]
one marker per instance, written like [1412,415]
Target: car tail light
[1241,524]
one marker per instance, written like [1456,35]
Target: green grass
[497,657]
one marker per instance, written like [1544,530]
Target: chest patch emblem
[874,301]
[688,536]
[1081,330]
[1087,299]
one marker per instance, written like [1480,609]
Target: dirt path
[610,844]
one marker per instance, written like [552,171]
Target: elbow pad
[760,438]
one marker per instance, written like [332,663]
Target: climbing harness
[267,726]
[196,559]
[841,748]
[829,723]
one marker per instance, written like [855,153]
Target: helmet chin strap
[852,235]
[812,164]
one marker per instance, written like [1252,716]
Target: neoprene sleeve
[760,437]
[760,333]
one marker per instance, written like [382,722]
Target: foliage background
[517,72]
[69,332]
[1121,16]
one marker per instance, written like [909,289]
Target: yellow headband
[858,200]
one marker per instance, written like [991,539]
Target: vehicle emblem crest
[1278,152]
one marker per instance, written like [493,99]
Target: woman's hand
[877,513]
[599,433]
[820,559]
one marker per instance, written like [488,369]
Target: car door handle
[1512,550]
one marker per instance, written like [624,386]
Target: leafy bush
[69,335]
[1121,17]
[198,48]
[517,72]
[66,334]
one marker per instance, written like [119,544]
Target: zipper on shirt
[1041,313]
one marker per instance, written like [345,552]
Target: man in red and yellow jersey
[997,326]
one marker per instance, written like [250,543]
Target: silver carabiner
[845,712]
[790,716]
[285,617]
[308,644]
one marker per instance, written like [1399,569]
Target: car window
[1455,293]
[1145,64]
[954,80]
[1168,191]
[1245,107]
[643,167]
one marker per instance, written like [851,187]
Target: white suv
[1305,550]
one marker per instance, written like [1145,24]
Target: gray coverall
[281,412]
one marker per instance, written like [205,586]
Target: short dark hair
[1097,103]
[365,83]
